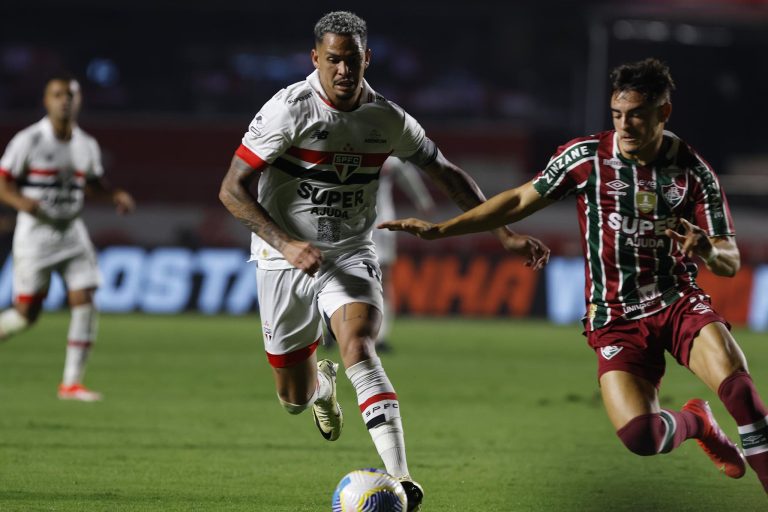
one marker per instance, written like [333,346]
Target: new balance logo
[319,135]
[610,351]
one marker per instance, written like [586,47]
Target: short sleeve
[710,207]
[14,160]
[271,131]
[567,170]
[412,138]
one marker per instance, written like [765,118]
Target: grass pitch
[499,416]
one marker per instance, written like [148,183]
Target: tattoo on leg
[364,314]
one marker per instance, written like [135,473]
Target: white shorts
[293,305]
[31,278]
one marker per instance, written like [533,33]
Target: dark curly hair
[649,77]
[342,22]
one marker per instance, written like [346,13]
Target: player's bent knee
[641,434]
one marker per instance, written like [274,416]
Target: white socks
[82,334]
[381,413]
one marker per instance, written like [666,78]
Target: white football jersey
[53,172]
[323,165]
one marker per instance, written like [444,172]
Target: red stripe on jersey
[44,172]
[250,158]
[313,156]
[5,173]
[374,159]
[291,358]
[79,174]
[31,299]
[377,398]
[310,156]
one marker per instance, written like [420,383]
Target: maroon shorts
[637,346]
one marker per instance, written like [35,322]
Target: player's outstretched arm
[236,196]
[720,254]
[505,208]
[460,187]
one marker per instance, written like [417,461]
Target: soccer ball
[369,490]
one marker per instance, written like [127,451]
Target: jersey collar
[51,133]
[666,156]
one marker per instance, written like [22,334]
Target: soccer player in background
[46,171]
[315,149]
[648,206]
[408,179]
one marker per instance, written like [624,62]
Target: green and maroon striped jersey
[632,268]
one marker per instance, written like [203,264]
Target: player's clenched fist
[303,256]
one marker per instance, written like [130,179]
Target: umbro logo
[753,440]
[617,185]
[702,308]
[610,351]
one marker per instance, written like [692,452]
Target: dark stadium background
[171,86]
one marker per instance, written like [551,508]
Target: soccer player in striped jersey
[316,149]
[45,173]
[649,208]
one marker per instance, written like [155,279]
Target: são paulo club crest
[345,164]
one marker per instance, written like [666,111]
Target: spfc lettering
[345,164]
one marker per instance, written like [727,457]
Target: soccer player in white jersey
[315,149]
[408,179]
[46,171]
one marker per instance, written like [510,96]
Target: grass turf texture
[499,416]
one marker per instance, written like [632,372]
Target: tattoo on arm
[237,198]
[455,183]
